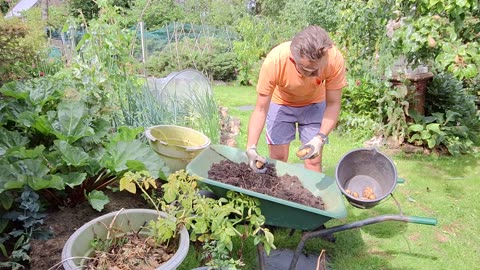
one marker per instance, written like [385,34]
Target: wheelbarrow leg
[329,237]
[261,256]
[308,235]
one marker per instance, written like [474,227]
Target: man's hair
[311,43]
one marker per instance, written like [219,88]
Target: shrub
[157,14]
[360,107]
[446,93]
[20,44]
[214,13]
[209,55]
[90,8]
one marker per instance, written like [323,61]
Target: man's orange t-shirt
[279,78]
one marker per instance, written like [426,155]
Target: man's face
[308,68]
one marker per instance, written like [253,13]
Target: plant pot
[78,244]
[420,82]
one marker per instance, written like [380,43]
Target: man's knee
[279,152]
[314,164]
[279,156]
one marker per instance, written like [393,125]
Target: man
[299,88]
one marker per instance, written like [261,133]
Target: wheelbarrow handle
[422,220]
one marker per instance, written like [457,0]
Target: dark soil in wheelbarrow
[286,187]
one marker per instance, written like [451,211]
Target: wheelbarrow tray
[277,212]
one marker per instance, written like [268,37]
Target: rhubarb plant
[52,143]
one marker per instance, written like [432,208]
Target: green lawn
[445,188]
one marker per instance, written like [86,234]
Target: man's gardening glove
[312,148]
[256,162]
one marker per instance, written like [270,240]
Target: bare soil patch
[286,187]
[45,254]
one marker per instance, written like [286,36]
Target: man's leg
[308,127]
[280,131]
[314,164]
[279,151]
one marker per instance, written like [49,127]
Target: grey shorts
[284,121]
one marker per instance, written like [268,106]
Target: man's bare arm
[257,119]
[332,111]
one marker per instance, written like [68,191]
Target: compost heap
[284,187]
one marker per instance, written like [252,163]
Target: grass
[444,188]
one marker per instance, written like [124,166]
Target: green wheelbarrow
[286,214]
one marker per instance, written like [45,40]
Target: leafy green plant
[361,34]
[91,8]
[360,107]
[207,219]
[155,13]
[209,55]
[393,108]
[298,14]
[215,13]
[55,145]
[20,44]
[445,93]
[440,129]
[426,131]
[440,33]
[20,221]
[257,39]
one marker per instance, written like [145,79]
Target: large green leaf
[73,156]
[119,153]
[43,124]
[11,177]
[6,201]
[48,181]
[20,152]
[97,200]
[33,167]
[14,90]
[415,128]
[136,165]
[70,126]
[126,134]
[434,127]
[27,118]
[31,172]
[73,179]
[41,92]
[37,175]
[101,128]
[94,165]
[9,139]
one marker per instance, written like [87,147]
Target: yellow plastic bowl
[176,145]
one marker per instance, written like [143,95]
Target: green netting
[156,41]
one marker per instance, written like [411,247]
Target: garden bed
[45,254]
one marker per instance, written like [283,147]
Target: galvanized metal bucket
[366,176]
